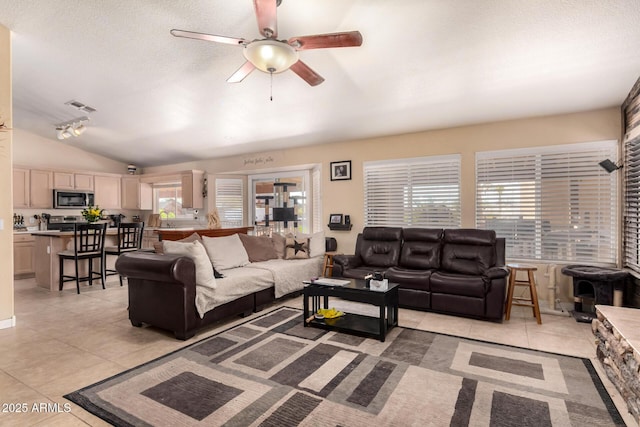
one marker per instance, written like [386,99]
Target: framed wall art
[335,219]
[340,170]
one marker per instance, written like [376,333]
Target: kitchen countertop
[58,233]
[36,231]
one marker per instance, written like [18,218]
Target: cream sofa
[173,290]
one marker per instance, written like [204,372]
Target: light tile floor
[64,341]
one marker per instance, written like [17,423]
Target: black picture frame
[335,219]
[340,171]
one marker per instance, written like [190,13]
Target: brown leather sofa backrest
[468,251]
[380,246]
[421,248]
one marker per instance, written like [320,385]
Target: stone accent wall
[620,361]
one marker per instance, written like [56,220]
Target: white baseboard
[8,323]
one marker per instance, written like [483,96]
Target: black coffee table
[357,324]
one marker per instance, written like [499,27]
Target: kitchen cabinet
[23,256]
[21,188]
[40,189]
[192,184]
[107,191]
[72,181]
[136,194]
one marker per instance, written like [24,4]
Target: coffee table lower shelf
[356,324]
[316,296]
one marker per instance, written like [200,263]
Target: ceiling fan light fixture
[270,56]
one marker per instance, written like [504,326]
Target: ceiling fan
[271,55]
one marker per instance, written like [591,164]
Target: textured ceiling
[424,64]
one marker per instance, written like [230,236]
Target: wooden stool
[530,283]
[328,264]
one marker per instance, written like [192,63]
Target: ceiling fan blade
[207,37]
[267,17]
[241,73]
[307,74]
[321,41]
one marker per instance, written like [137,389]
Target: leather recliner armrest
[347,261]
[496,272]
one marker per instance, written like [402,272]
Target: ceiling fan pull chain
[271,70]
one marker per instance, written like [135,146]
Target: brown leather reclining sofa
[454,271]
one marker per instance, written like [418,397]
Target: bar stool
[530,283]
[327,267]
[129,240]
[88,243]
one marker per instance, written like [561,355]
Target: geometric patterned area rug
[272,371]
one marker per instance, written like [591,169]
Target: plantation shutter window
[416,192]
[631,234]
[229,202]
[550,203]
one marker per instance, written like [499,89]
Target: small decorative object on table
[92,214]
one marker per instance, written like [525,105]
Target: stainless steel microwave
[68,199]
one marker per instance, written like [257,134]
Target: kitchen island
[47,246]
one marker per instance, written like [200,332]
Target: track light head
[74,127]
[609,166]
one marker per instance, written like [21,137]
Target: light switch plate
[1,224]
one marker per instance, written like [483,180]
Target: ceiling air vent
[80,106]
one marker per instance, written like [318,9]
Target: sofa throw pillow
[296,248]
[195,251]
[225,252]
[259,248]
[159,247]
[317,245]
[279,244]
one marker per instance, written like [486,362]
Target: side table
[327,267]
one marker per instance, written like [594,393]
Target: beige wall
[347,196]
[34,151]
[6,234]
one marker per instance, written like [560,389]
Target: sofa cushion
[317,243]
[259,248]
[197,252]
[458,284]
[409,278]
[296,248]
[421,248]
[379,247]
[159,247]
[279,244]
[225,252]
[468,251]
[360,272]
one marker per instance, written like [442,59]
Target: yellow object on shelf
[330,313]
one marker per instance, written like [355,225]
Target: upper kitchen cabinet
[72,181]
[107,191]
[40,189]
[20,188]
[136,194]
[192,185]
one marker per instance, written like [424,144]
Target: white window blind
[417,192]
[229,201]
[550,203]
[631,170]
